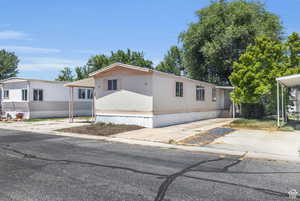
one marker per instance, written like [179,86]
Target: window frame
[81,94]
[39,96]
[24,95]
[112,84]
[200,93]
[214,94]
[6,94]
[179,89]
[89,93]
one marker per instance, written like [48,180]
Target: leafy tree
[130,57]
[222,33]
[65,75]
[8,64]
[172,62]
[82,72]
[96,62]
[254,75]
[99,61]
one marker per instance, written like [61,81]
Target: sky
[49,35]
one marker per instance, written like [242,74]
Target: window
[38,95]
[89,93]
[6,94]
[112,85]
[24,94]
[179,89]
[81,93]
[214,95]
[200,93]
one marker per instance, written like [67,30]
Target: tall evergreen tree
[8,64]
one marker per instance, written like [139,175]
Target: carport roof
[86,83]
[290,80]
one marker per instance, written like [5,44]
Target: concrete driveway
[46,126]
[259,141]
[175,132]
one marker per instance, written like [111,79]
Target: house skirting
[154,121]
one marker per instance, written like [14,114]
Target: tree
[99,61]
[65,75]
[254,75]
[95,63]
[8,64]
[172,62]
[222,33]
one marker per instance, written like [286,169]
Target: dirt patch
[101,129]
[207,137]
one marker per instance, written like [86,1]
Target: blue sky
[48,35]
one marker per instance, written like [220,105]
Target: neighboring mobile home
[35,98]
[126,94]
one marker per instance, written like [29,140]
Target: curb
[250,155]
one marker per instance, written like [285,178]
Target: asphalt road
[39,167]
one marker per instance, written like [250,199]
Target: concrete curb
[252,155]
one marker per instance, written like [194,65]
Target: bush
[253,111]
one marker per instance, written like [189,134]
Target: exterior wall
[166,102]
[134,93]
[55,100]
[149,100]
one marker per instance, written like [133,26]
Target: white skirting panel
[178,118]
[145,121]
[153,121]
[53,114]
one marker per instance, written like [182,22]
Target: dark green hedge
[253,111]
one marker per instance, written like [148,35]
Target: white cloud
[17,35]
[27,49]
[47,63]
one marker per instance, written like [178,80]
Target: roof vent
[182,73]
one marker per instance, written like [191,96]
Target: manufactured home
[33,98]
[126,94]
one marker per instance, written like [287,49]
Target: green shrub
[253,111]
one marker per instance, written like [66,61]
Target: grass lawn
[101,129]
[259,125]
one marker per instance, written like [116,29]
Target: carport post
[233,109]
[282,104]
[72,105]
[278,107]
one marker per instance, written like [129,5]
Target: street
[40,167]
